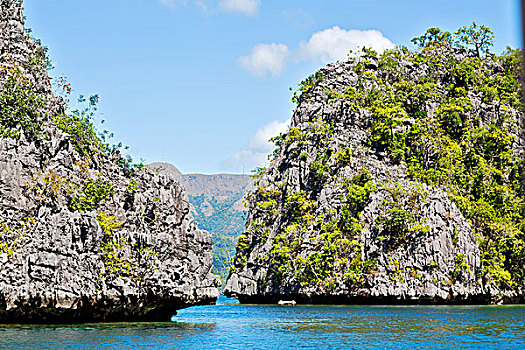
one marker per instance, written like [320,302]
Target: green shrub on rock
[20,107]
[93,192]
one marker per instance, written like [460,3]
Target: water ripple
[232,326]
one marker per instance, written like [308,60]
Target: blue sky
[203,84]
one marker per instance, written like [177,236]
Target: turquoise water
[229,325]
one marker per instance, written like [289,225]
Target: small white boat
[287,302]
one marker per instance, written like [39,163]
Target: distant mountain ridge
[216,185]
[216,202]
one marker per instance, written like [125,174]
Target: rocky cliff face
[398,181]
[84,236]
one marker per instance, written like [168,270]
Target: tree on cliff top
[433,37]
[478,39]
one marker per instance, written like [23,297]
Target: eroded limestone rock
[336,219]
[135,254]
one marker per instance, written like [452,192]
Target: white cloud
[334,44]
[327,45]
[246,7]
[173,3]
[169,3]
[265,59]
[255,154]
[202,5]
[299,18]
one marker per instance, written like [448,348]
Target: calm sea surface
[229,325]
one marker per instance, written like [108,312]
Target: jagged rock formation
[398,182]
[84,236]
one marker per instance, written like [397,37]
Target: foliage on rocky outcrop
[401,178]
[85,235]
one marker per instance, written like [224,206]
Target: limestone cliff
[398,181]
[84,235]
